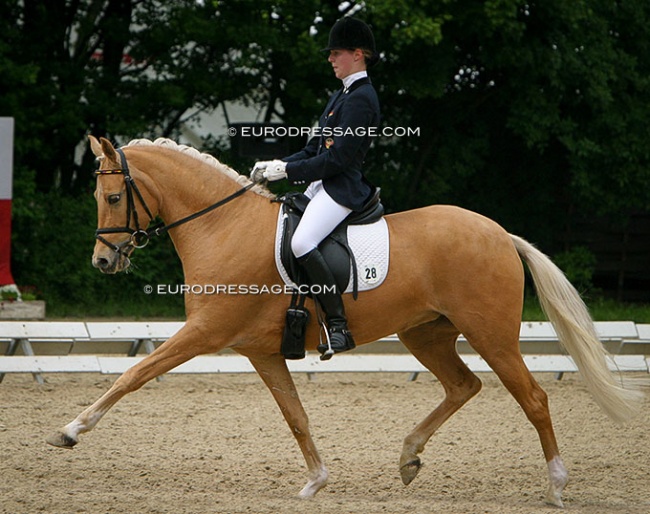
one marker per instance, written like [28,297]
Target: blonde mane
[243,180]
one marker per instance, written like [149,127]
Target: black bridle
[139,236]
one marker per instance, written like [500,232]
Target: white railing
[113,347]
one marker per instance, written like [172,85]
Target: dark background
[532,113]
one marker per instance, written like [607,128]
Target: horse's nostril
[101,263]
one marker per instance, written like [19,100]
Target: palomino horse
[451,271]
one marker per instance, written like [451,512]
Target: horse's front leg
[275,374]
[176,350]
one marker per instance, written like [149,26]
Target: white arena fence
[40,347]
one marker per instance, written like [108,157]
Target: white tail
[577,333]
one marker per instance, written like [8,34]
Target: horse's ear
[95,146]
[108,149]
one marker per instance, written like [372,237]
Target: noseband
[139,236]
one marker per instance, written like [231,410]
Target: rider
[331,164]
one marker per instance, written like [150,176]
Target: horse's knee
[127,382]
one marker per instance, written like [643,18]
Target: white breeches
[321,216]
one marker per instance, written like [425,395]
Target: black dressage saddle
[334,248]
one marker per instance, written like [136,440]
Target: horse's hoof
[314,485]
[554,499]
[60,440]
[410,470]
[555,502]
[558,479]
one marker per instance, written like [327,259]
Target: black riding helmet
[351,33]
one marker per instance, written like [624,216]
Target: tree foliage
[533,113]
[524,107]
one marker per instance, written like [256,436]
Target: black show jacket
[335,155]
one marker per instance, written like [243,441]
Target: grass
[171,308]
[601,309]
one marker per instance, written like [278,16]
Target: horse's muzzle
[111,262]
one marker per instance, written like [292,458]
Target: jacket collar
[353,77]
[360,82]
[356,84]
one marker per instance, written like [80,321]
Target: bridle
[140,236]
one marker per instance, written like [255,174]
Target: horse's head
[124,208]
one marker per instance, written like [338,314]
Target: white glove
[258,170]
[275,170]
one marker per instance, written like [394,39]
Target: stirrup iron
[329,353]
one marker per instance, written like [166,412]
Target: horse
[452,272]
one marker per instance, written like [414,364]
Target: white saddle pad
[370,245]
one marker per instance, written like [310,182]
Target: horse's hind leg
[504,357]
[434,345]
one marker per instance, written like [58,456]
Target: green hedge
[53,240]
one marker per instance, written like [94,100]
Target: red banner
[5,243]
[6,172]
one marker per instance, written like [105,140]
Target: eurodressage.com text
[237,289]
[309,132]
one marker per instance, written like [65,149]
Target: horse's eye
[113,199]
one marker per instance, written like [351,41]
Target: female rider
[331,164]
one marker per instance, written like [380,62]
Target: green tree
[532,113]
[115,68]
[526,110]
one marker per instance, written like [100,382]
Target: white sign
[6,157]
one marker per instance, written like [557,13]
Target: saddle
[335,248]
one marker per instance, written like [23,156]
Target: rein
[139,237]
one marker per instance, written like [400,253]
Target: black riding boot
[320,274]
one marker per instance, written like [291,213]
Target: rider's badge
[329,142]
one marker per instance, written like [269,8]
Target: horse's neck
[216,240]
